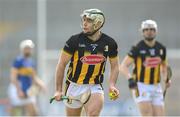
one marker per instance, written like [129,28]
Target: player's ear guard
[132,83]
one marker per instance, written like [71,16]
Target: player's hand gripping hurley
[83,98]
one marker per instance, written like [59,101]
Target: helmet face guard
[97,17]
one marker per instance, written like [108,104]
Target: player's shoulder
[160,45]
[140,44]
[108,39]
[75,37]
[18,60]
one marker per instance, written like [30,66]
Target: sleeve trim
[112,58]
[67,53]
[165,61]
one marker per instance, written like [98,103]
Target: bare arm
[164,70]
[60,68]
[113,91]
[164,73]
[38,81]
[124,67]
[114,71]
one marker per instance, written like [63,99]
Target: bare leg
[31,109]
[158,110]
[94,106]
[73,111]
[145,108]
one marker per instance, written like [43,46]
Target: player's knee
[146,112]
[93,112]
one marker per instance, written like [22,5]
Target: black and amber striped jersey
[88,58]
[147,61]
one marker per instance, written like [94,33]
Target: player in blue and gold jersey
[23,76]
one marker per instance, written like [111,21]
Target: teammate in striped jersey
[149,58]
[87,52]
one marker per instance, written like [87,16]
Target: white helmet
[148,24]
[26,43]
[96,15]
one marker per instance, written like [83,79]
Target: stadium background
[49,23]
